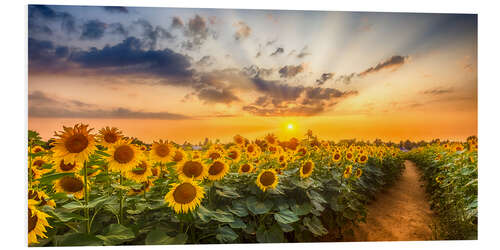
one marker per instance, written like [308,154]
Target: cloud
[243,31]
[152,34]
[46,56]
[118,29]
[205,61]
[116,9]
[177,22]
[93,30]
[324,77]
[37,14]
[278,51]
[42,105]
[290,71]
[198,32]
[225,96]
[438,91]
[255,71]
[345,79]
[127,57]
[303,53]
[393,62]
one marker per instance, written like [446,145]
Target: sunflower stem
[121,200]
[86,194]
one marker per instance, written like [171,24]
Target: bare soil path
[401,213]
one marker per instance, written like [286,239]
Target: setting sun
[290,126]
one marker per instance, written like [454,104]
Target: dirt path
[399,214]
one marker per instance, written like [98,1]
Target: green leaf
[79,239]
[73,205]
[237,223]
[101,201]
[301,209]
[335,205]
[49,178]
[222,216]
[115,234]
[158,237]
[286,227]
[238,208]
[64,216]
[315,226]
[349,214]
[204,213]
[271,235]
[226,234]
[228,192]
[258,207]
[286,216]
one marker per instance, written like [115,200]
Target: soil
[401,213]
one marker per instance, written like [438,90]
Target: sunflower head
[39,161]
[178,156]
[185,196]
[348,171]
[74,144]
[267,179]
[192,169]
[301,151]
[239,140]
[41,197]
[336,156]
[252,149]
[215,153]
[349,156]
[145,187]
[161,151]
[65,167]
[245,168]
[37,222]
[271,139]
[358,173]
[217,170]
[71,185]
[141,172]
[362,159]
[233,153]
[123,156]
[108,136]
[37,149]
[306,169]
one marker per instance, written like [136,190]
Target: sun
[290,126]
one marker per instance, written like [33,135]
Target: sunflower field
[91,187]
[450,171]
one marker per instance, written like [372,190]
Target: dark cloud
[345,79]
[393,62]
[290,71]
[197,31]
[255,71]
[93,30]
[152,35]
[243,31]
[304,52]
[271,42]
[324,77]
[118,29]
[41,105]
[37,14]
[127,57]
[205,61]
[177,22]
[116,9]
[45,56]
[438,91]
[225,96]
[278,51]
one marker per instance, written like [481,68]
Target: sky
[187,74]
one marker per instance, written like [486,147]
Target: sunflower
[71,185]
[217,170]
[358,173]
[252,149]
[179,156]
[37,173]
[123,156]
[39,161]
[185,196]
[37,222]
[65,167]
[143,147]
[271,139]
[349,156]
[245,168]
[348,171]
[214,153]
[267,179]
[161,151]
[41,197]
[336,156]
[233,153]
[75,144]
[273,149]
[302,151]
[239,140]
[141,172]
[306,169]
[37,149]
[439,179]
[108,136]
[146,186]
[458,147]
[362,159]
[192,169]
